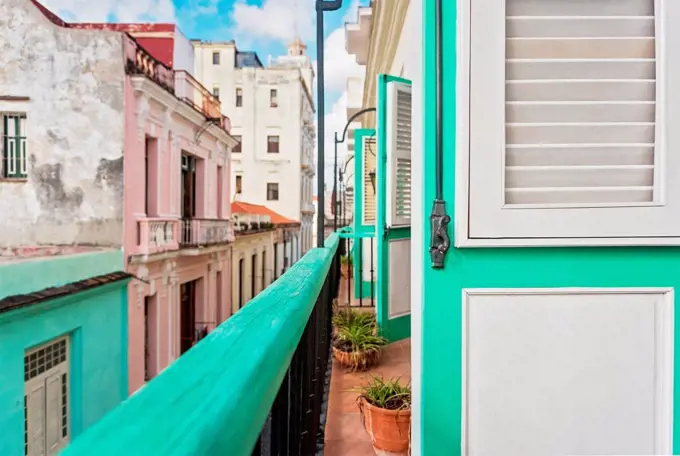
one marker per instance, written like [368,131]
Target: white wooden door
[568,372]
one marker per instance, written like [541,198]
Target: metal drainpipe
[439,220]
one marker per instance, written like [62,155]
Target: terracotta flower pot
[357,360]
[390,430]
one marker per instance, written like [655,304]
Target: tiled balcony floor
[345,434]
[355,302]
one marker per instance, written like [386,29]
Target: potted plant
[357,346]
[346,266]
[385,408]
[348,316]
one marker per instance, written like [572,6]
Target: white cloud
[339,65]
[279,20]
[121,10]
[335,121]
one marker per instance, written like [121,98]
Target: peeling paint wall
[72,81]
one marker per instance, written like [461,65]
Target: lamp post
[340,141]
[321,6]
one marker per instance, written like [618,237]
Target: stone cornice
[144,85]
[388,20]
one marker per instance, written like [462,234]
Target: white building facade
[272,114]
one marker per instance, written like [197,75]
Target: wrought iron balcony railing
[205,232]
[254,385]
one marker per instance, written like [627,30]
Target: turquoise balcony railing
[254,386]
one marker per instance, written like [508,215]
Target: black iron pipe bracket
[439,230]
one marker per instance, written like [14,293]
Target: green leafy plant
[356,337]
[345,259]
[350,317]
[390,394]
[357,346]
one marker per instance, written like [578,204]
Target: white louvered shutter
[368,164]
[53,412]
[35,420]
[571,119]
[398,133]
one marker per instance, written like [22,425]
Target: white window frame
[666,186]
[29,385]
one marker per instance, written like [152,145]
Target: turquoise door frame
[362,288]
[442,319]
[393,329]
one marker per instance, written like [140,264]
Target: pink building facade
[178,233]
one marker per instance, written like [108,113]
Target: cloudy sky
[265,26]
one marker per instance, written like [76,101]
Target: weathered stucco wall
[70,85]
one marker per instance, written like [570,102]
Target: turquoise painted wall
[27,276]
[362,288]
[499,267]
[393,329]
[96,320]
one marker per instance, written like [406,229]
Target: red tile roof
[239,207]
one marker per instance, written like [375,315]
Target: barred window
[13,130]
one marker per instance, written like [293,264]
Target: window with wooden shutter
[571,112]
[13,147]
[368,166]
[398,133]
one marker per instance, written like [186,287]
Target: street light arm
[351,119]
[328,5]
[344,169]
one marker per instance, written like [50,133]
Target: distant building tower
[297,48]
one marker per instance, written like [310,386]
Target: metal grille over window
[14,164]
[44,359]
[580,102]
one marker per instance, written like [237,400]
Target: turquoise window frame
[362,288]
[393,329]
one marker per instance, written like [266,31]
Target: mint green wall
[499,267]
[363,291]
[396,328]
[27,276]
[96,319]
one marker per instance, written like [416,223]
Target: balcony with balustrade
[156,235]
[180,83]
[199,233]
[192,92]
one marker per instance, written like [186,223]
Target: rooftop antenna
[296,31]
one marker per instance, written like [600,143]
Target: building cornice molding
[145,86]
[388,21]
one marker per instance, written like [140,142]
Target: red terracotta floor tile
[345,434]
